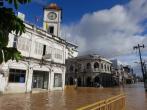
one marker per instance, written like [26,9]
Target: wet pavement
[70,99]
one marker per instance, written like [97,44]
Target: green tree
[10,23]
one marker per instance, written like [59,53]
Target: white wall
[2,83]
[33,36]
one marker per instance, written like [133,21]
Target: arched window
[71,81]
[101,65]
[96,65]
[88,65]
[108,68]
[79,67]
[105,67]
[71,68]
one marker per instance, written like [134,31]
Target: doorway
[40,79]
[57,80]
[88,82]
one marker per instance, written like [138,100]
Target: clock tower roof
[53,6]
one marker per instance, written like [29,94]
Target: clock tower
[52,19]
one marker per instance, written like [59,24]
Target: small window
[17,76]
[51,30]
[15,42]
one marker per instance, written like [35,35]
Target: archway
[88,66]
[88,81]
[79,81]
[96,65]
[71,81]
[96,81]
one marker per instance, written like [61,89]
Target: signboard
[21,16]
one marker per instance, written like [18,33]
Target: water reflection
[70,99]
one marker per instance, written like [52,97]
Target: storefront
[57,80]
[40,79]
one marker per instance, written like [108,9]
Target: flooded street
[136,97]
[71,99]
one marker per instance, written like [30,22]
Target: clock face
[52,15]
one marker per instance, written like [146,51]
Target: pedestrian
[76,83]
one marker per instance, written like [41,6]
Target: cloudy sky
[108,27]
[112,32]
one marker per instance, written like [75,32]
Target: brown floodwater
[71,98]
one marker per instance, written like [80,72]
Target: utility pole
[142,67]
[142,64]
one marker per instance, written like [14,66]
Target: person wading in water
[76,83]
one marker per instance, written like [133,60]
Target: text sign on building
[21,16]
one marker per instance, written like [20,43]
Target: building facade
[44,52]
[89,70]
[123,74]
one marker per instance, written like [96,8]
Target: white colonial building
[89,70]
[122,73]
[44,52]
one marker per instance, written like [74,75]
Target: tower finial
[53,6]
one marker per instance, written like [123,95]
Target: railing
[113,103]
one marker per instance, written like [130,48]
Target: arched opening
[105,67]
[88,82]
[71,68]
[97,81]
[71,81]
[96,65]
[101,65]
[79,81]
[88,66]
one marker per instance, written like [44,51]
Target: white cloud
[110,32]
[137,9]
